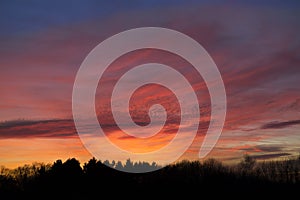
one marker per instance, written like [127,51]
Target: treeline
[68,179]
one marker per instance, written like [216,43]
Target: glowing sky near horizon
[255,45]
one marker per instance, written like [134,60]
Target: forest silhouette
[71,180]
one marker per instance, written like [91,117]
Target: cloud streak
[270,156]
[280,125]
[55,128]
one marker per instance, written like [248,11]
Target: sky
[255,45]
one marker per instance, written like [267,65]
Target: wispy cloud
[280,125]
[270,156]
[56,128]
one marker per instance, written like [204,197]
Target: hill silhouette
[69,180]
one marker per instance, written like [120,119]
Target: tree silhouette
[119,165]
[128,165]
[247,164]
[90,167]
[68,180]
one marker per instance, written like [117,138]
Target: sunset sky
[255,45]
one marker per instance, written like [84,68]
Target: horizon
[255,46]
[113,163]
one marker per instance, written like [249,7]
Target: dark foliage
[69,180]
